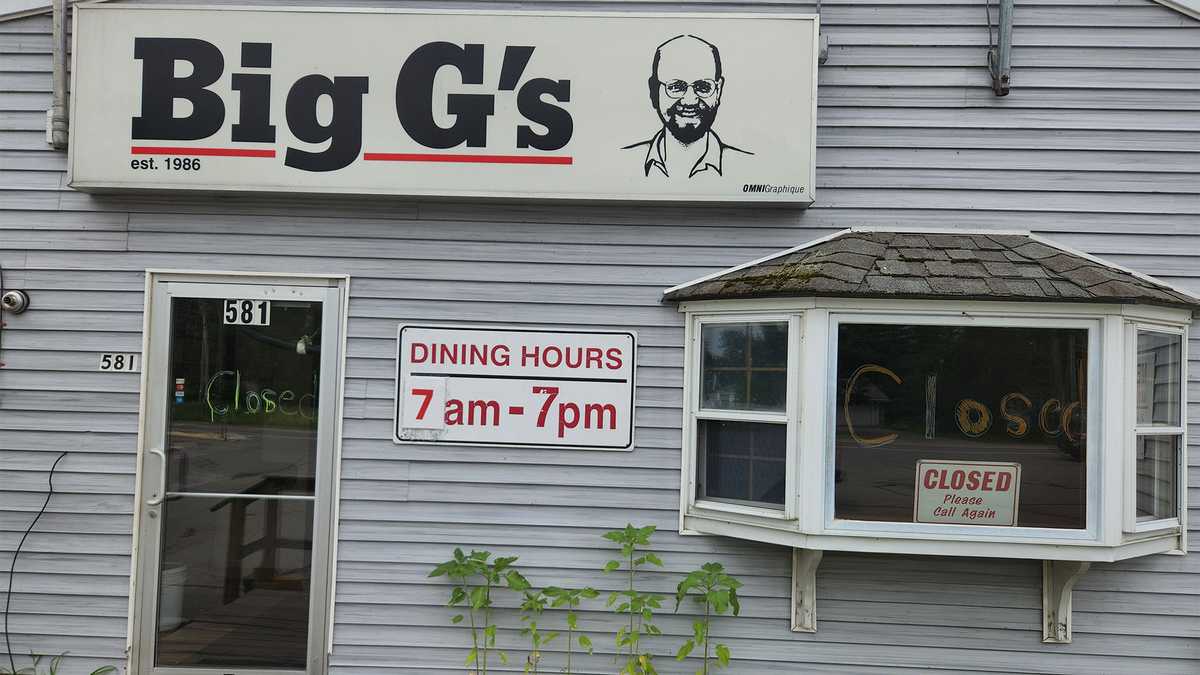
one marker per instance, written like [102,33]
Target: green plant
[570,598]
[474,578]
[711,587]
[533,606]
[52,665]
[638,605]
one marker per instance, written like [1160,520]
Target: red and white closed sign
[967,493]
[501,386]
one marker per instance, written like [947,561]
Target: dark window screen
[956,393]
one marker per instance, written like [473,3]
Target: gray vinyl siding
[1098,147]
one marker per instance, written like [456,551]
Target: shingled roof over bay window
[934,265]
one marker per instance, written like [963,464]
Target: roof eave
[704,297]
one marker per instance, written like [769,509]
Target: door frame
[321,604]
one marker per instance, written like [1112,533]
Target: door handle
[162,483]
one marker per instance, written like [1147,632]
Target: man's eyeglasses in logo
[678,88]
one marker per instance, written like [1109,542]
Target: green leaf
[503,657]
[572,621]
[612,566]
[589,593]
[442,569]
[684,650]
[457,595]
[654,559]
[501,564]
[457,618]
[516,581]
[479,598]
[104,670]
[723,655]
[549,637]
[586,643]
[733,601]
[472,655]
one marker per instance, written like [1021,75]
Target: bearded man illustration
[685,84]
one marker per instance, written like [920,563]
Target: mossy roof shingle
[935,265]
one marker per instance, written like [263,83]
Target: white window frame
[1135,431]
[1110,531]
[1090,532]
[693,353]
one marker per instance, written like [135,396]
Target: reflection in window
[1157,473]
[1159,368]
[963,394]
[744,366]
[1159,377]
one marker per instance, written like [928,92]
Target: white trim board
[16,9]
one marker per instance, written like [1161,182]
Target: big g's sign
[712,107]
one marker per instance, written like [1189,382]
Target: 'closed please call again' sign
[499,386]
[967,493]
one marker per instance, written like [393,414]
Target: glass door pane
[235,561]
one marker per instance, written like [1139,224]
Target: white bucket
[170,597]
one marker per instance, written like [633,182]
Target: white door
[239,430]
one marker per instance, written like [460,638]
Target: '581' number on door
[247,312]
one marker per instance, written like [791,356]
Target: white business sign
[683,107]
[970,493]
[499,386]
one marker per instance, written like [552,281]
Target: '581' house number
[247,312]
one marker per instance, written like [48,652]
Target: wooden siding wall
[1098,146]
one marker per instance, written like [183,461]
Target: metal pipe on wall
[58,106]
[1000,55]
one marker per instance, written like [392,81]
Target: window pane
[966,395]
[244,406]
[1157,473]
[768,390]
[725,389]
[744,366]
[725,345]
[234,583]
[1159,366]
[741,461]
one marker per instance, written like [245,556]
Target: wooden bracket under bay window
[804,589]
[1058,579]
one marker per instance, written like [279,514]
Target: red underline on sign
[199,152]
[465,159]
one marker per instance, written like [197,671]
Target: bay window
[943,393]
[936,427]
